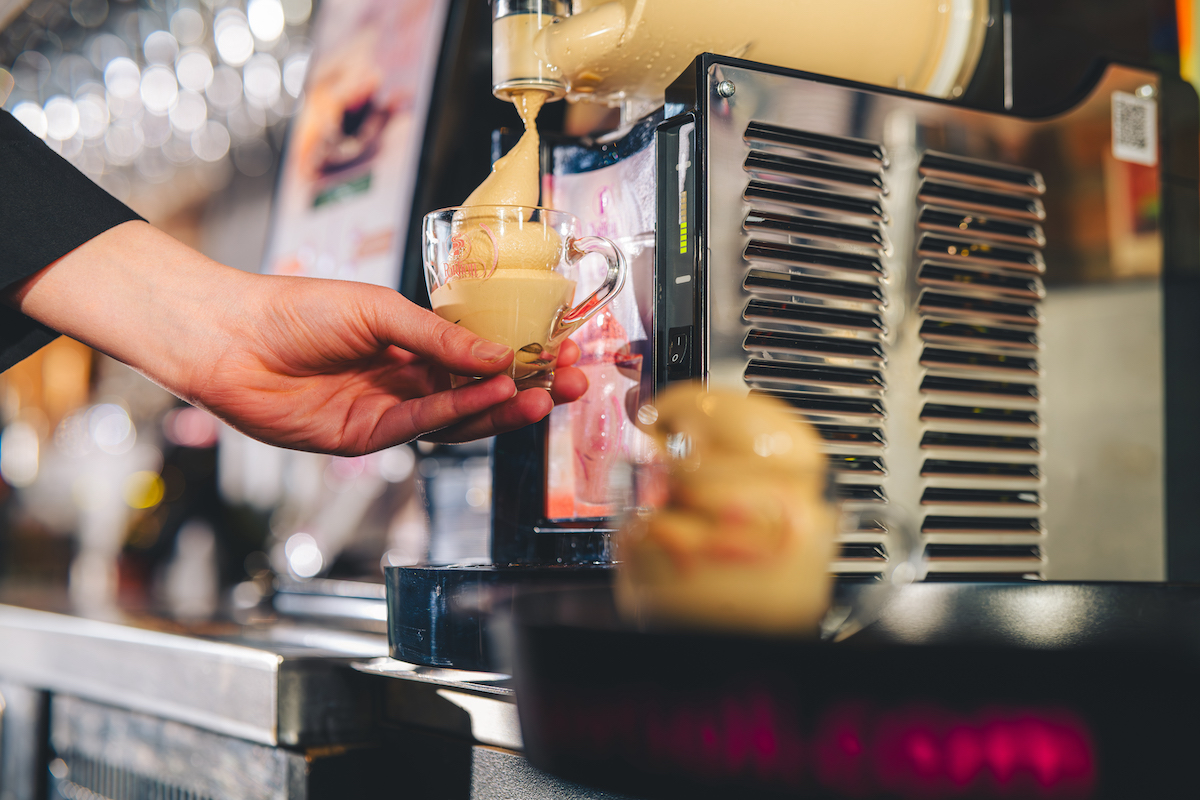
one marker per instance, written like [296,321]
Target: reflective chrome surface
[284,685]
[963,302]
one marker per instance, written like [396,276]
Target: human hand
[350,368]
[311,364]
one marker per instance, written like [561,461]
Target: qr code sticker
[1134,129]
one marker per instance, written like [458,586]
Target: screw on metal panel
[1146,90]
[726,88]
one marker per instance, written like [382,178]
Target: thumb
[407,325]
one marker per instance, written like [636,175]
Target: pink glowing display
[852,749]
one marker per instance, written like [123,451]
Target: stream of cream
[504,286]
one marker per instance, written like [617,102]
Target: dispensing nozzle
[516,65]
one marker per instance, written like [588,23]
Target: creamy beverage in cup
[506,273]
[512,307]
[515,307]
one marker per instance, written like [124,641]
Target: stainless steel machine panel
[966,304]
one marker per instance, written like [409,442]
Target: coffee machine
[976,309]
[624,55]
[974,283]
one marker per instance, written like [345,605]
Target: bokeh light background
[158,101]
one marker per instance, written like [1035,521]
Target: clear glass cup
[507,273]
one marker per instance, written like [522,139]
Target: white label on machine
[1134,129]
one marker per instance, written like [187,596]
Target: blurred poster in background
[341,211]
[350,164]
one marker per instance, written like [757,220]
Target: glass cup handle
[613,281]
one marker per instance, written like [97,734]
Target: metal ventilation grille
[817,296]
[978,267]
[816,247]
[78,777]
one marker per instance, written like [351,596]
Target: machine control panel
[679,352]
[676,252]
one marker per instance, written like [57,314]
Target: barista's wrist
[142,297]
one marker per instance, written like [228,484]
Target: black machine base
[456,616]
[959,690]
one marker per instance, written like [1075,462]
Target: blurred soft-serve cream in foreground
[740,531]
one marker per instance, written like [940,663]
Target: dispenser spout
[516,63]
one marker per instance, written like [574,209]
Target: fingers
[474,411]
[570,384]
[459,351]
[568,354]
[526,408]
[407,420]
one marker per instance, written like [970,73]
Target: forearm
[333,366]
[140,296]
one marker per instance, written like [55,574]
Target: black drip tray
[457,616]
[960,690]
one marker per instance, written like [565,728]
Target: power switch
[679,353]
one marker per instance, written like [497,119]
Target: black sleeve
[47,209]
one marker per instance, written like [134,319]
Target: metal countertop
[276,684]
